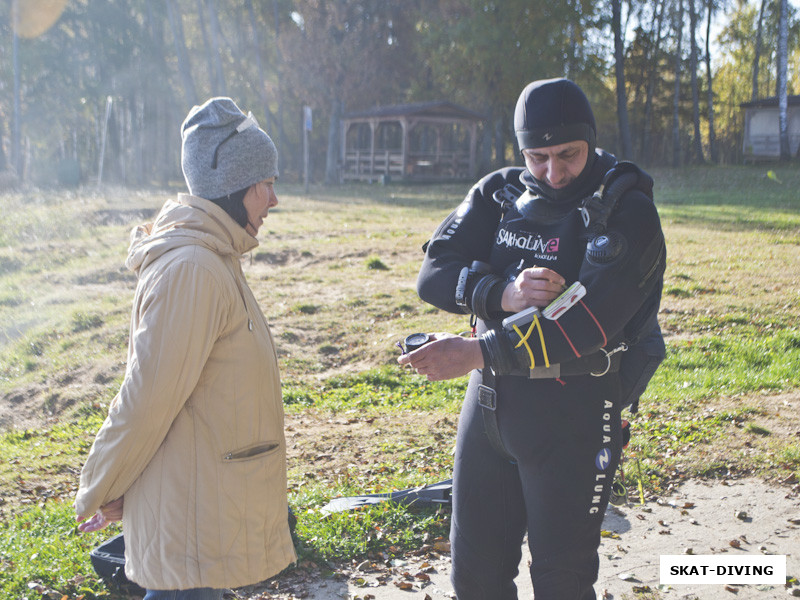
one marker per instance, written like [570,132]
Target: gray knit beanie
[224,151]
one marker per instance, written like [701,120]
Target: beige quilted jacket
[194,439]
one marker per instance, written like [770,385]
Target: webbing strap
[487,398]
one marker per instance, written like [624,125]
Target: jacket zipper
[250,325]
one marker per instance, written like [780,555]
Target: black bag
[108,560]
[426,496]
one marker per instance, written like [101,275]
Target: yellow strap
[523,339]
[541,339]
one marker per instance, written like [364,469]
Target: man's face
[557,166]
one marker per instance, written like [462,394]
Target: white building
[761,131]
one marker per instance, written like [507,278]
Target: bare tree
[712,137]
[655,34]
[757,56]
[783,57]
[619,71]
[218,85]
[262,92]
[697,143]
[179,42]
[344,53]
[676,100]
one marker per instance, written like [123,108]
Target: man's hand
[537,286]
[445,357]
[106,515]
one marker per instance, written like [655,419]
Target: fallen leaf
[441,546]
[609,534]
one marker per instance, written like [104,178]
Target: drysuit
[559,427]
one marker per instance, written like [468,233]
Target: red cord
[596,322]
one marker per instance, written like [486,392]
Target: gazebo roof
[417,109]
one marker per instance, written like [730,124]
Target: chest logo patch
[527,241]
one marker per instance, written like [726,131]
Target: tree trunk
[201,19]
[284,140]
[572,57]
[783,57]
[676,100]
[653,71]
[619,70]
[332,157]
[485,142]
[218,86]
[16,133]
[757,57]
[499,142]
[3,161]
[262,92]
[712,136]
[184,66]
[697,143]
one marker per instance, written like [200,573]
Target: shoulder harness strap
[506,196]
[597,208]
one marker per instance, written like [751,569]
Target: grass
[335,274]
[43,556]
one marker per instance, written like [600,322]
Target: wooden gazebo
[410,142]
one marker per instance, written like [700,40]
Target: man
[540,430]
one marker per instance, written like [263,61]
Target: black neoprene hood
[550,112]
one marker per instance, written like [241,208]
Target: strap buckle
[553,371]
[623,347]
[487,397]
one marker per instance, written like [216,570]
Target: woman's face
[258,199]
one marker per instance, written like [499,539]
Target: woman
[192,455]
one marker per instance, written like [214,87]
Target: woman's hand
[537,286]
[445,357]
[106,515]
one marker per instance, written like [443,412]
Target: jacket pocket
[257,450]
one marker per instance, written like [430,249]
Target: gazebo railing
[364,166]
[361,165]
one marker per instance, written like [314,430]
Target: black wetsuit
[563,434]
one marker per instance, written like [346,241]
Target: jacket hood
[189,220]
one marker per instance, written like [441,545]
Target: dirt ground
[736,517]
[745,516]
